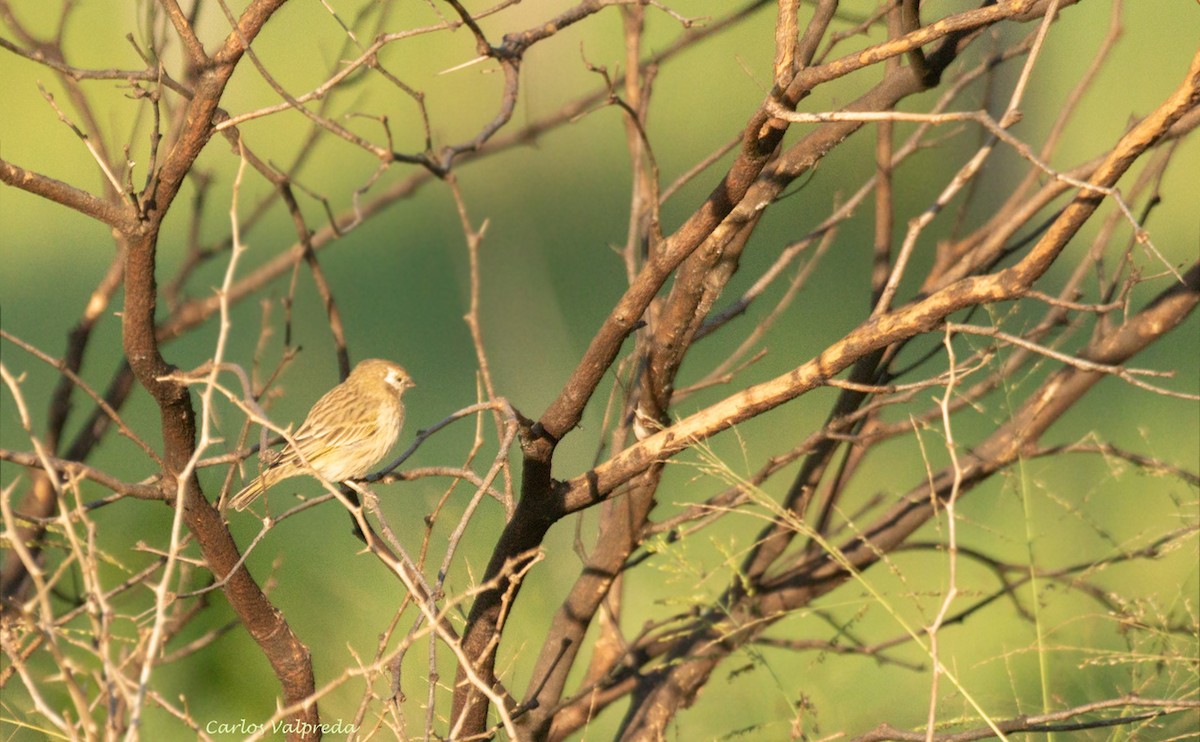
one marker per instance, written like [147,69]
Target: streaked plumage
[347,431]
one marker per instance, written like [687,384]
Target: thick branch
[116,216]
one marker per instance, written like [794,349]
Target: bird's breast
[391,415]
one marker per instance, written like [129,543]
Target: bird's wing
[333,424]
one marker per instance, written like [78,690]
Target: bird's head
[375,370]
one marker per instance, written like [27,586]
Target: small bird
[347,431]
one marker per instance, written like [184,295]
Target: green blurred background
[555,211]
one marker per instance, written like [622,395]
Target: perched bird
[347,431]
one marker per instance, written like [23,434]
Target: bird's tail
[249,493]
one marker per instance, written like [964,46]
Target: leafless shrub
[1009,308]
